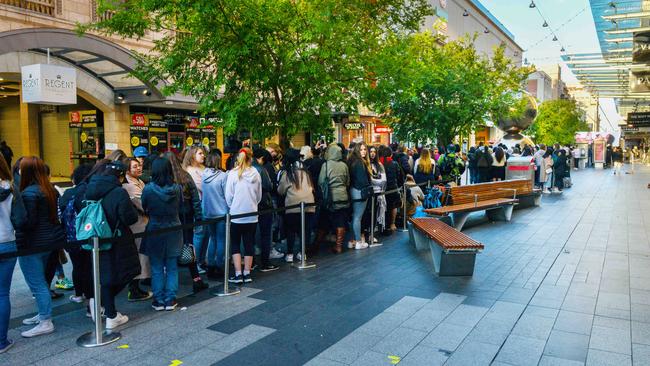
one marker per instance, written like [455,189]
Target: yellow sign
[135,141]
[84,137]
[206,141]
[153,141]
[189,141]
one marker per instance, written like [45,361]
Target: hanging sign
[49,84]
[354,126]
[638,119]
[383,129]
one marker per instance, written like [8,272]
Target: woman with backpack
[120,264]
[189,211]
[334,180]
[296,186]
[41,230]
[360,190]
[134,187]
[161,201]
[243,194]
[498,171]
[425,168]
[484,164]
[12,217]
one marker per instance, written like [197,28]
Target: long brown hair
[5,172]
[32,171]
[355,155]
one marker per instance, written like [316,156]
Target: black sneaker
[146,282]
[138,294]
[157,306]
[171,305]
[269,268]
[236,279]
[248,278]
[198,286]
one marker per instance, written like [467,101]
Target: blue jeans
[200,241]
[6,272]
[358,208]
[216,247]
[164,278]
[33,267]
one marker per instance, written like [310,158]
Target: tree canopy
[431,88]
[268,66]
[557,122]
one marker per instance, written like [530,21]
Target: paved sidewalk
[567,283]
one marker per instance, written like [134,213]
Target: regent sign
[49,84]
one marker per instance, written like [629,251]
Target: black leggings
[293,230]
[242,233]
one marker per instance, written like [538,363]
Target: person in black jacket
[473,169]
[265,221]
[394,180]
[483,164]
[42,230]
[360,190]
[120,264]
[402,159]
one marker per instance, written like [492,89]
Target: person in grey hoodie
[243,194]
[334,213]
[213,181]
[160,201]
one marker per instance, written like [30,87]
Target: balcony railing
[46,7]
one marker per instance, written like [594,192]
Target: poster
[599,151]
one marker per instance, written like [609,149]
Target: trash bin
[521,167]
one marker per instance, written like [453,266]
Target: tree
[429,88]
[268,66]
[557,122]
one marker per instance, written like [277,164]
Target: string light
[545,25]
[465,13]
[532,4]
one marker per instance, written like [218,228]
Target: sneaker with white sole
[361,245]
[275,254]
[352,244]
[31,321]
[289,258]
[77,299]
[299,257]
[91,306]
[6,347]
[43,327]
[117,321]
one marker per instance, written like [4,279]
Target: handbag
[549,170]
[187,255]
[366,192]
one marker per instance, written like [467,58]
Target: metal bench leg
[503,213]
[538,200]
[507,211]
[459,220]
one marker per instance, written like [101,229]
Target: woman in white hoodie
[10,207]
[243,194]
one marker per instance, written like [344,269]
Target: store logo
[49,84]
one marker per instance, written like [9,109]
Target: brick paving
[567,283]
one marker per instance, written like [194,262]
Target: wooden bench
[453,253]
[497,199]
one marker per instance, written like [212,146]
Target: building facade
[540,86]
[588,103]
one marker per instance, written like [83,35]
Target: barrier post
[404,228]
[373,219]
[98,337]
[303,234]
[226,265]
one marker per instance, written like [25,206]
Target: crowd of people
[146,193]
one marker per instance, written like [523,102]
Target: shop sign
[189,141]
[154,141]
[629,129]
[206,141]
[641,47]
[638,119]
[383,129]
[138,119]
[354,126]
[87,119]
[49,84]
[194,122]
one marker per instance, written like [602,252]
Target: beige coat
[134,187]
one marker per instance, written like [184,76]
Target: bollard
[404,228]
[372,223]
[303,232]
[99,337]
[226,266]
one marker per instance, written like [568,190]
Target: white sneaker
[91,305]
[31,321]
[352,244]
[117,321]
[546,191]
[77,299]
[289,258]
[44,327]
[299,257]
[361,245]
[275,254]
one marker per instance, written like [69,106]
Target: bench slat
[479,206]
[444,235]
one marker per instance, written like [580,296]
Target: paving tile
[408,305]
[521,351]
[203,356]
[383,324]
[447,336]
[424,355]
[490,331]
[533,326]
[640,354]
[604,358]
[372,358]
[466,315]
[323,362]
[641,313]
[579,304]
[425,319]
[541,311]
[241,338]
[610,339]
[399,342]
[350,348]
[570,321]
[641,333]
[554,361]
[473,353]
[613,323]
[507,312]
[565,345]
[445,302]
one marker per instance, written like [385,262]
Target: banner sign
[638,119]
[599,151]
[49,84]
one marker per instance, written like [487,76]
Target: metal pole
[226,265]
[48,55]
[404,228]
[99,337]
[303,233]
[373,218]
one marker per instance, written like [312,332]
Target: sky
[573,24]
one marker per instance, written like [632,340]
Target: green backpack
[91,222]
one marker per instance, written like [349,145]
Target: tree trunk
[285,140]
